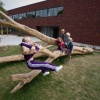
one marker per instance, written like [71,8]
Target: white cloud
[11,4]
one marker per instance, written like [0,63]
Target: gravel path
[13,40]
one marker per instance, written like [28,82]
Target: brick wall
[80,18]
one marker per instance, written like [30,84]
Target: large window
[56,11]
[51,31]
[47,31]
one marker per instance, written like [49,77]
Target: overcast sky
[11,4]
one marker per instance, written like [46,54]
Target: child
[62,33]
[66,38]
[26,42]
[32,64]
[69,48]
[61,44]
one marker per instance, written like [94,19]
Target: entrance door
[55,32]
[50,31]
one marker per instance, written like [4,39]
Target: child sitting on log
[69,48]
[66,38]
[31,63]
[61,44]
[62,47]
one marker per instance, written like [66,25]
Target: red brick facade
[80,18]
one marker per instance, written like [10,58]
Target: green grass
[12,50]
[79,80]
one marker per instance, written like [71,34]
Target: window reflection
[38,13]
[50,12]
[41,13]
[56,11]
[45,12]
[60,10]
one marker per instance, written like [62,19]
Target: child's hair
[68,34]
[24,39]
[60,38]
[63,30]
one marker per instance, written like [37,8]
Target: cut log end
[18,87]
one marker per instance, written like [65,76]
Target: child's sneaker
[59,68]
[46,73]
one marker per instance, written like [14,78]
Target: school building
[79,17]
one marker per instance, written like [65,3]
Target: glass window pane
[16,17]
[41,13]
[45,12]
[38,13]
[19,16]
[33,14]
[29,14]
[50,12]
[23,15]
[11,16]
[60,10]
[55,11]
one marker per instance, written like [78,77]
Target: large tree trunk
[26,78]
[80,50]
[11,23]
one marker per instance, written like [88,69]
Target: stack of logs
[27,77]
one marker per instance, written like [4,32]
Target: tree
[2,6]
[3,10]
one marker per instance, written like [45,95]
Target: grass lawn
[79,80]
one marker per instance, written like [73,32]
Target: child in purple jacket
[32,64]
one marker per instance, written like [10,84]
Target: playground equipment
[27,77]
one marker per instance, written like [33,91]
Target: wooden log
[76,50]
[11,23]
[18,87]
[11,58]
[27,77]
[17,57]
